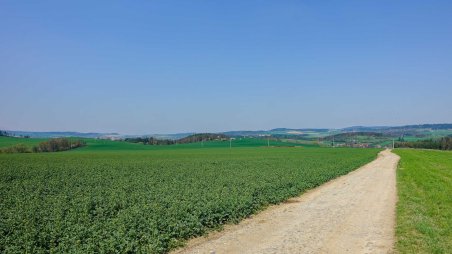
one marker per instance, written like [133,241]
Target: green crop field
[108,145]
[112,197]
[424,209]
[10,141]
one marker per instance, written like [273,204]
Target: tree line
[58,144]
[444,143]
[150,141]
[52,145]
[190,139]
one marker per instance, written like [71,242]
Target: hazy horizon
[149,133]
[161,67]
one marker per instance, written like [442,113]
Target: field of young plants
[151,200]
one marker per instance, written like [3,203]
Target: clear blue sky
[175,66]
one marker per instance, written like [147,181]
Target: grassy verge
[424,209]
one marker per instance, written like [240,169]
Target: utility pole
[333,140]
[268,141]
[392,143]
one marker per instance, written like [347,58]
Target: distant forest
[190,139]
[440,144]
[443,126]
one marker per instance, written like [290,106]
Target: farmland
[108,145]
[424,210]
[10,141]
[122,197]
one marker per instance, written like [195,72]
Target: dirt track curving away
[354,213]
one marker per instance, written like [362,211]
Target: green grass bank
[424,208]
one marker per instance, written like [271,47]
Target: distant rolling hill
[414,130]
[58,134]
[443,126]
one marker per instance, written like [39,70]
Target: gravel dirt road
[354,213]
